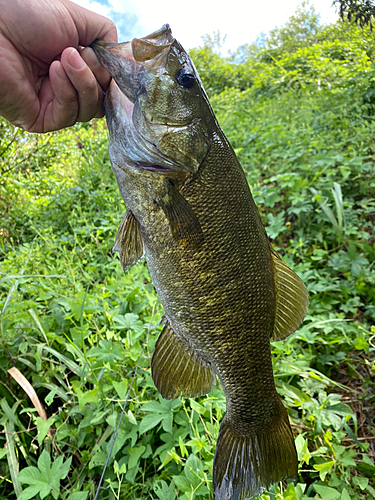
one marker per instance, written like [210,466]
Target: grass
[74,325]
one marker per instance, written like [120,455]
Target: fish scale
[225,291]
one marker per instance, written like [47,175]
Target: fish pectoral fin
[183,222]
[292,299]
[247,463]
[129,243]
[177,368]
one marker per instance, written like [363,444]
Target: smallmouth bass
[225,292]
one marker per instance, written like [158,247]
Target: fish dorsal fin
[177,368]
[292,299]
[183,222]
[129,243]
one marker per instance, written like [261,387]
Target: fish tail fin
[245,465]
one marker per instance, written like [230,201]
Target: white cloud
[241,21]
[97,7]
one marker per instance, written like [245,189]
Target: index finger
[101,74]
[91,25]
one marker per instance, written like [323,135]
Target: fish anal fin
[177,369]
[129,243]
[292,299]
[246,464]
[183,222]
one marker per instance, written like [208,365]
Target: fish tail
[245,465]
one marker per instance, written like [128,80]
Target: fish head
[158,114]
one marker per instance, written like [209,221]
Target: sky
[242,21]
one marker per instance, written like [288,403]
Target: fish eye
[184,78]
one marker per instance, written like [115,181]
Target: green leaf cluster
[45,478]
[298,108]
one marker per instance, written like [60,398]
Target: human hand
[45,84]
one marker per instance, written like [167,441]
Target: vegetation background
[299,108]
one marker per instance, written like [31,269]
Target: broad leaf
[326,492]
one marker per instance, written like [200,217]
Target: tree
[299,31]
[361,12]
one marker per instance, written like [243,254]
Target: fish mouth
[144,49]
[127,61]
[140,132]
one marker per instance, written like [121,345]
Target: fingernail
[61,73]
[75,60]
[88,55]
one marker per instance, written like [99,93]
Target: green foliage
[218,73]
[301,55]
[299,111]
[301,30]
[45,478]
[359,11]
